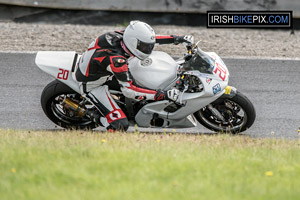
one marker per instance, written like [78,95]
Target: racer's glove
[187,40]
[171,95]
[160,95]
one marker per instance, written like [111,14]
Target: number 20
[63,74]
[222,71]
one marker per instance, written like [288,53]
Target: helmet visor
[145,47]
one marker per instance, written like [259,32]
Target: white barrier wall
[184,6]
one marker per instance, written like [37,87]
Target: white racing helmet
[139,38]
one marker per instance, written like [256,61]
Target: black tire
[234,122]
[50,107]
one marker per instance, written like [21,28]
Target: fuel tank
[155,72]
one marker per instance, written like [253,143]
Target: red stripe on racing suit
[164,39]
[141,90]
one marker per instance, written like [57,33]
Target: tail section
[60,65]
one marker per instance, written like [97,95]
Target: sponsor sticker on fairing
[216,88]
[208,80]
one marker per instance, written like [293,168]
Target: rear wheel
[238,115]
[52,97]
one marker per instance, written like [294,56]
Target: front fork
[229,93]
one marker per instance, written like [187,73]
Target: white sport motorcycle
[202,78]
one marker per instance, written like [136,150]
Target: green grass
[85,165]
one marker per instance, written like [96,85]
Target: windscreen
[200,61]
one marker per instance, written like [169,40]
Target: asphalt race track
[272,85]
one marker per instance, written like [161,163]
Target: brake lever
[189,48]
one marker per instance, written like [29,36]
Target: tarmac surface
[271,84]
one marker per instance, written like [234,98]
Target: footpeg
[95,116]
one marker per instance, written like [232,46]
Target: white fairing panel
[59,65]
[155,72]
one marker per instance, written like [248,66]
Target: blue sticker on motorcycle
[216,88]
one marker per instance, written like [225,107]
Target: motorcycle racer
[107,56]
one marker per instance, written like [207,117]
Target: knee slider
[120,125]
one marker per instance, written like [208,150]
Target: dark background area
[113,18]
[88,17]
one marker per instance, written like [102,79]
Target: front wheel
[238,114]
